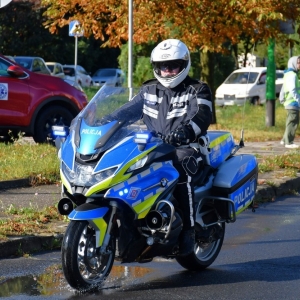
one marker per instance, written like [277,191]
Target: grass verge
[27,221]
[39,162]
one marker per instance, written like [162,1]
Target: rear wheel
[83,265]
[53,115]
[207,247]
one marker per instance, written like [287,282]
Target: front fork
[103,249]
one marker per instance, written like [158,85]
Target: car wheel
[47,118]
[255,101]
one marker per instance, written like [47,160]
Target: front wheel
[83,265]
[206,248]
[255,101]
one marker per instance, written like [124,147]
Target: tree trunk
[235,55]
[207,75]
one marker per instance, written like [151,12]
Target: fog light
[150,241]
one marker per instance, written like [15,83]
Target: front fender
[94,215]
[87,212]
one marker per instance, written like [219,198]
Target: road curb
[18,246]
[17,183]
[273,188]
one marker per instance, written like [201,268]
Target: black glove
[182,135]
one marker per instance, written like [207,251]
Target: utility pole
[270,85]
[130,42]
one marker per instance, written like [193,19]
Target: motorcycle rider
[178,108]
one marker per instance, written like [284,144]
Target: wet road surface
[260,259]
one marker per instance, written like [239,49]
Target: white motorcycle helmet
[175,51]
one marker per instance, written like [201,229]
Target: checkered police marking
[133,193]
[3,91]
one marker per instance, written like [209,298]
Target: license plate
[229,97]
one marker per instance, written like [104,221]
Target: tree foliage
[201,24]
[23,33]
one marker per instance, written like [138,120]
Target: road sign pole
[76,46]
[75,62]
[76,30]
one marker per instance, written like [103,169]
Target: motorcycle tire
[83,265]
[204,253]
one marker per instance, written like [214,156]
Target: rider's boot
[186,242]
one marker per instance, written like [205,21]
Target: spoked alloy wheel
[83,265]
[205,251]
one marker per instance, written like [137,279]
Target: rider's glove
[182,135]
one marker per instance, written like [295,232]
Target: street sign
[75,29]
[4,2]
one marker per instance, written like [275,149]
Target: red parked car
[32,103]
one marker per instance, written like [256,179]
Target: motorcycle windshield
[98,117]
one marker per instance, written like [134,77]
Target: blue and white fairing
[93,131]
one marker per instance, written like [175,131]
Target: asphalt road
[260,259]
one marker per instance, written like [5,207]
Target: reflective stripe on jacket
[164,109]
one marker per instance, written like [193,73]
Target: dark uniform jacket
[164,109]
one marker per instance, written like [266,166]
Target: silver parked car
[33,63]
[114,77]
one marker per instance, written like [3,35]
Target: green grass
[40,163]
[27,220]
[252,120]
[90,91]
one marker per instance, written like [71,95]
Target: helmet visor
[170,65]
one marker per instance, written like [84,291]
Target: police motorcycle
[117,183]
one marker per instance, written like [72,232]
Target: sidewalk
[20,194]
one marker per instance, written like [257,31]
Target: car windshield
[69,71]
[24,62]
[105,73]
[242,78]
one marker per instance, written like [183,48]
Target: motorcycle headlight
[68,172]
[105,174]
[84,176]
[139,164]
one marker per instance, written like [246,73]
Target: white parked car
[114,77]
[56,69]
[78,74]
[246,84]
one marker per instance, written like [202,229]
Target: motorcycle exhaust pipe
[65,206]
